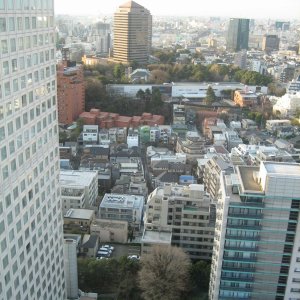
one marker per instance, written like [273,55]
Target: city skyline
[254,9]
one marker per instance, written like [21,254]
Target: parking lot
[124,250]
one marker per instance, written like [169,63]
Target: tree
[210,96]
[164,273]
[199,275]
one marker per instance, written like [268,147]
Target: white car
[109,247]
[134,257]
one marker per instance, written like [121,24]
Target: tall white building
[31,237]
[257,241]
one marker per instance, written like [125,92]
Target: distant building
[70,93]
[100,37]
[245,98]
[240,59]
[132,33]
[237,34]
[270,43]
[287,105]
[282,25]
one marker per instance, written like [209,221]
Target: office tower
[100,36]
[240,59]
[71,274]
[31,237]
[132,33]
[270,42]
[257,238]
[70,90]
[237,34]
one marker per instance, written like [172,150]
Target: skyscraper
[31,237]
[257,238]
[237,34]
[270,42]
[132,33]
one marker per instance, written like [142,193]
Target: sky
[262,9]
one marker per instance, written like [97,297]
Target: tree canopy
[164,273]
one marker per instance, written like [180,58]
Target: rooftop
[286,169]
[76,178]
[79,213]
[122,201]
[160,237]
[247,181]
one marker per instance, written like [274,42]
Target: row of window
[26,4]
[20,24]
[13,45]
[17,84]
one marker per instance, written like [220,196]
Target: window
[2,24]
[4,47]
[13,45]
[14,65]
[11,24]
[5,66]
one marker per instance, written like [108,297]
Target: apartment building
[257,238]
[186,212]
[79,189]
[31,236]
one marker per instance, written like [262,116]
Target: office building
[270,43]
[186,216]
[237,34]
[132,33]
[257,238]
[31,235]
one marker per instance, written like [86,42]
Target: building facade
[185,211]
[31,235]
[256,246]
[132,33]
[238,34]
[270,43]
[70,92]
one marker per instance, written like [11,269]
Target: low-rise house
[78,220]
[89,245]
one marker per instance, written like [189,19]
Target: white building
[79,189]
[90,134]
[257,238]
[71,274]
[132,138]
[31,234]
[287,105]
[123,207]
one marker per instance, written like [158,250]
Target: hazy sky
[279,9]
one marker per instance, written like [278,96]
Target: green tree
[199,275]
[210,96]
[140,94]
[119,71]
[164,273]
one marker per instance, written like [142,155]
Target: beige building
[132,33]
[182,215]
[110,230]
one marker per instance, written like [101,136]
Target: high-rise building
[270,42]
[257,237]
[132,33]
[100,36]
[70,90]
[237,34]
[31,227]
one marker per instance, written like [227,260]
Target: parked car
[103,253]
[109,247]
[134,257]
[105,249]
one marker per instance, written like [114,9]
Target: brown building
[132,33]
[70,93]
[270,43]
[245,99]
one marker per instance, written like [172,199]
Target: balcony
[241,248]
[242,238]
[246,216]
[236,288]
[247,227]
[237,279]
[239,269]
[241,259]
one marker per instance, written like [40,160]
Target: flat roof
[248,184]
[122,201]
[287,169]
[79,213]
[160,237]
[76,178]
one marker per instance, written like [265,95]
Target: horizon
[214,8]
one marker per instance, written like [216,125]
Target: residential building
[132,33]
[185,211]
[287,105]
[240,59]
[78,220]
[79,189]
[90,134]
[237,34]
[123,208]
[70,92]
[31,236]
[178,114]
[90,245]
[256,245]
[274,125]
[110,231]
[270,43]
